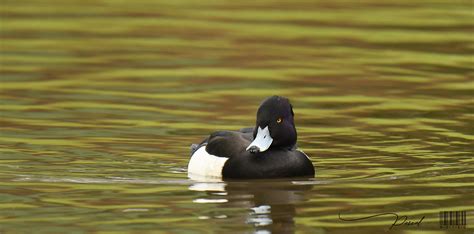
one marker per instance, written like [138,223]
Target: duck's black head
[275,127]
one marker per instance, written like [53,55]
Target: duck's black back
[229,143]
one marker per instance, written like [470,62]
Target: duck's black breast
[273,163]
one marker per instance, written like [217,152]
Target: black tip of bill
[254,149]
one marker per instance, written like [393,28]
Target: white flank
[205,164]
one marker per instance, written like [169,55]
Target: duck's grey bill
[262,141]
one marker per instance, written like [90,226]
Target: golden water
[100,101]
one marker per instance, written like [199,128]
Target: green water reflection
[100,101]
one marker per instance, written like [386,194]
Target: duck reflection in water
[271,203]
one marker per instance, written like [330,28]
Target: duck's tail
[194,147]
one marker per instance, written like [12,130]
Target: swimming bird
[267,150]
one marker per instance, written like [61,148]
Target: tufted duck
[266,151]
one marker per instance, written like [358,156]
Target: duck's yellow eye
[279,120]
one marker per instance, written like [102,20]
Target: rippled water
[100,101]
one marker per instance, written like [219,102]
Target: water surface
[100,101]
